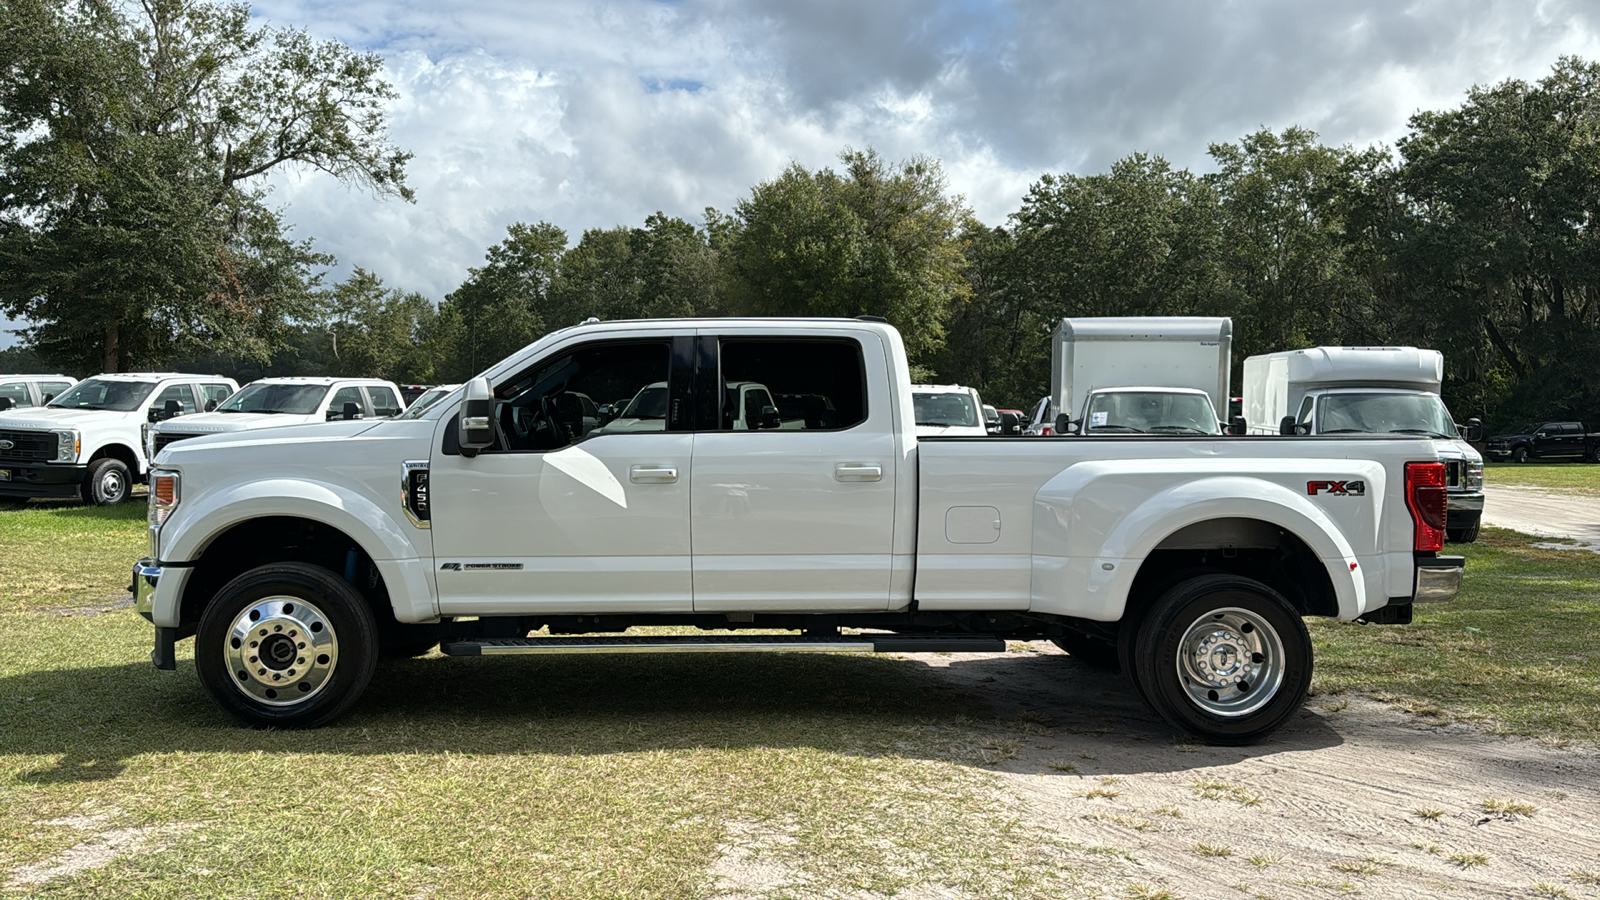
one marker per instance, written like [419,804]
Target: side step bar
[731,643]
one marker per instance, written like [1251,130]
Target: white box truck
[1141,374]
[1369,390]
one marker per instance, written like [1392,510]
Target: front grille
[28,446]
[163,438]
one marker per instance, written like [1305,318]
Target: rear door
[796,513]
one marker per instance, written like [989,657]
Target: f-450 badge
[1337,488]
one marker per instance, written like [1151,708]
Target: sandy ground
[1548,513]
[1353,797]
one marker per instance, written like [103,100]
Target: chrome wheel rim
[281,651]
[112,485]
[1230,662]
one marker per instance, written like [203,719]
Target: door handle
[653,474]
[858,472]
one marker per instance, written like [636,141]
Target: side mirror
[352,410]
[770,418]
[48,398]
[169,410]
[1286,425]
[1473,432]
[1010,424]
[1236,425]
[211,405]
[476,419]
[1065,425]
[6,403]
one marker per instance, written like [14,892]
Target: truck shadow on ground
[974,710]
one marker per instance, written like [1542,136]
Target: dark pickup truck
[1548,440]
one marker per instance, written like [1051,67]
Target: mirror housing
[352,410]
[1473,432]
[6,403]
[46,398]
[1065,425]
[211,406]
[475,425]
[1010,424]
[169,410]
[769,418]
[1236,425]
[1286,425]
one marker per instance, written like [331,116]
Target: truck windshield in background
[289,399]
[1149,412]
[1385,413]
[116,396]
[945,410]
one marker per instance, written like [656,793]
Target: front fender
[1097,522]
[195,525]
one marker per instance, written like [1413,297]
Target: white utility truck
[486,525]
[1140,375]
[1369,390]
[276,402]
[89,441]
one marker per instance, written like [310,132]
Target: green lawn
[619,777]
[1577,476]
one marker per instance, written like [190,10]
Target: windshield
[649,403]
[945,410]
[292,399]
[1384,413]
[95,393]
[1150,412]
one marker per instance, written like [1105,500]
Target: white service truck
[88,442]
[948,410]
[296,556]
[276,402]
[1140,375]
[1369,390]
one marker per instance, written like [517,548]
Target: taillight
[1425,497]
[1046,431]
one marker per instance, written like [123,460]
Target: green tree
[504,304]
[876,239]
[665,269]
[133,144]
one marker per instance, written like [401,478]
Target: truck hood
[223,442]
[46,417]
[217,423]
[1453,449]
[1507,438]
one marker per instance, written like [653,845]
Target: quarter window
[791,385]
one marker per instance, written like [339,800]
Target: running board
[731,643]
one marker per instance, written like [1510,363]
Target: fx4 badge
[1337,488]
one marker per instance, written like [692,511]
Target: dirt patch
[1353,797]
[101,846]
[115,602]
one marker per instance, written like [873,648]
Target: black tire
[106,483]
[301,661]
[1519,455]
[1232,614]
[1462,535]
[1089,650]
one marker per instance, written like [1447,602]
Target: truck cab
[26,391]
[88,442]
[1148,410]
[949,410]
[1139,375]
[277,402]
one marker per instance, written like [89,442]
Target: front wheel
[1519,455]
[1224,658]
[106,483]
[288,645]
[1463,535]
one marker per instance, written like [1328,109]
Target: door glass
[1305,413]
[816,385]
[49,390]
[214,393]
[384,402]
[347,395]
[558,403]
[17,393]
[182,393]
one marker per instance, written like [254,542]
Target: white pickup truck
[297,556]
[277,402]
[88,442]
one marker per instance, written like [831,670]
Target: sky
[596,114]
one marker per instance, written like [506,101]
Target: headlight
[164,496]
[68,444]
[1474,476]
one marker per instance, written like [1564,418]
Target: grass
[1516,650]
[1509,809]
[1468,860]
[1577,476]
[1216,789]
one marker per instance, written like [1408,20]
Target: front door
[570,511]
[794,503]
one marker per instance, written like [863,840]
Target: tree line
[135,233]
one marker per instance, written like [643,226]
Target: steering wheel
[558,431]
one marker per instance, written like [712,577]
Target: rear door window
[813,385]
[214,393]
[384,402]
[17,393]
[182,393]
[347,395]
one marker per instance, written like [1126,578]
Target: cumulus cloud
[591,114]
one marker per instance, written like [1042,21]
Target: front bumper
[37,480]
[146,574]
[1438,578]
[1463,510]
